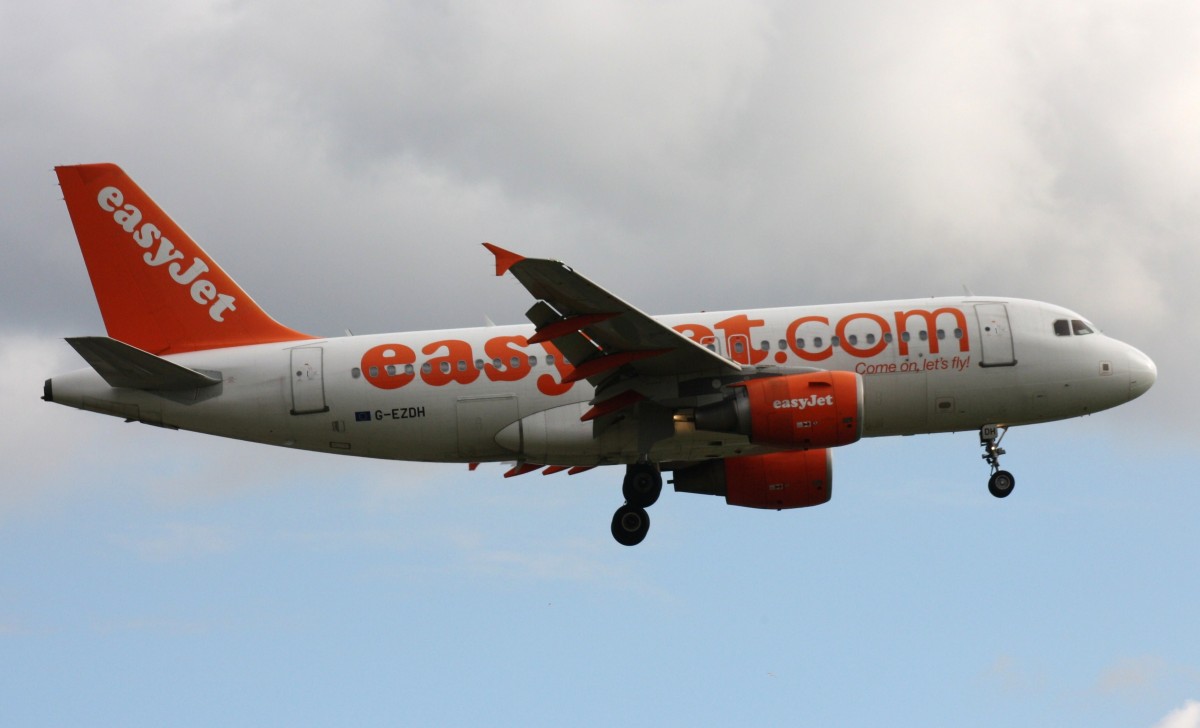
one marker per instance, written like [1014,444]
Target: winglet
[505,259]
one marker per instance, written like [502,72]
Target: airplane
[747,405]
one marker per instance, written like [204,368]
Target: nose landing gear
[643,485]
[1001,483]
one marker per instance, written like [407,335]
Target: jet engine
[814,410]
[778,480]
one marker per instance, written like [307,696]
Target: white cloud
[1187,716]
[46,457]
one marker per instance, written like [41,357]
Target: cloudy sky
[344,162]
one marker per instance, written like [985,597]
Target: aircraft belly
[895,404]
[254,411]
[558,435]
[408,428]
[479,420]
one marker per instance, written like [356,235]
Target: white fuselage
[484,394]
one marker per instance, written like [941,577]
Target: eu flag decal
[362,416]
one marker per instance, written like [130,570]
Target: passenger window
[799,343]
[549,360]
[496,363]
[817,341]
[391,370]
[906,336]
[870,339]
[462,365]
[765,346]
[923,334]
[958,333]
[356,372]
[532,361]
[835,341]
[426,368]
[373,372]
[852,339]
[1062,328]
[515,362]
[887,336]
[408,369]
[782,344]
[479,364]
[1080,328]
[739,347]
[941,334]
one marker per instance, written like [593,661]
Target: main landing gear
[1001,483]
[643,485]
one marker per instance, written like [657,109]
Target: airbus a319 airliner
[746,405]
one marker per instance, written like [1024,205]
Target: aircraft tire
[1001,483]
[630,525]
[643,485]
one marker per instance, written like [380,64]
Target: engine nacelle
[821,409]
[778,480]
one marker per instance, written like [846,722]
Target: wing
[605,339]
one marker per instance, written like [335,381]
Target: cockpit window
[1062,328]
[1081,327]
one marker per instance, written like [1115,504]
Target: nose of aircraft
[1142,373]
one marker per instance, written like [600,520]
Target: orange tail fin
[157,289]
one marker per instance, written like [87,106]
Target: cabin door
[308,381]
[995,336]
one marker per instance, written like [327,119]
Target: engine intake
[821,409]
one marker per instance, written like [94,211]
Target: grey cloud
[345,165]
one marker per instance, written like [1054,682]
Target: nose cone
[1142,373]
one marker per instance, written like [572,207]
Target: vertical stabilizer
[157,289]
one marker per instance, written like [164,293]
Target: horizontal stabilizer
[122,365]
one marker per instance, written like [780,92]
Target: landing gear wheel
[643,485]
[1001,483]
[630,525]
